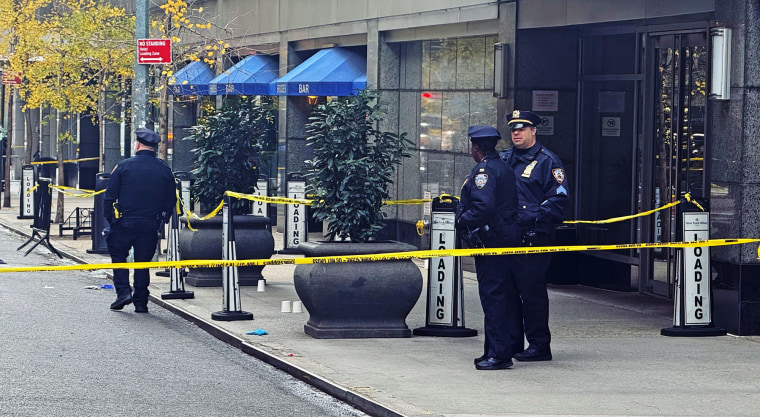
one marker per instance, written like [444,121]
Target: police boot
[121,302]
[534,354]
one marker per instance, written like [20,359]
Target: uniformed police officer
[542,199]
[138,201]
[487,216]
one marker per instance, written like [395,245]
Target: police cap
[147,137]
[479,133]
[523,118]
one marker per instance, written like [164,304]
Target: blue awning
[192,80]
[329,72]
[249,77]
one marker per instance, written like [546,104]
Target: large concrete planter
[357,300]
[253,240]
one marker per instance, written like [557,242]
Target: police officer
[138,201]
[487,216]
[542,199]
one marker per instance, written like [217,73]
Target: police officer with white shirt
[542,200]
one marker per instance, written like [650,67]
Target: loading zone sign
[441,274]
[696,270]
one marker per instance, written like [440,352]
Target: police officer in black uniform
[542,198]
[139,199]
[486,216]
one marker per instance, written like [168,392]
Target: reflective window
[457,83]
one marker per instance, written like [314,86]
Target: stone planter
[357,300]
[253,240]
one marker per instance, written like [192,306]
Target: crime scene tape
[68,160]
[275,200]
[81,191]
[392,256]
[686,198]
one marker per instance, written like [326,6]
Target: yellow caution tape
[67,160]
[275,200]
[686,198]
[407,202]
[81,192]
[32,189]
[377,257]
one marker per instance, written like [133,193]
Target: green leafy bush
[352,166]
[228,148]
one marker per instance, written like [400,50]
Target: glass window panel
[483,109]
[425,64]
[443,64]
[470,63]
[455,108]
[430,120]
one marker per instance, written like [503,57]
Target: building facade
[631,93]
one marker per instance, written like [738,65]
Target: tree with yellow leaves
[68,53]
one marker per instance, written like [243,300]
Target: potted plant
[352,166]
[228,148]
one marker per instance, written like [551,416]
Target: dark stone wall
[735,179]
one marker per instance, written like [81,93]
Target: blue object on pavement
[106,286]
[258,332]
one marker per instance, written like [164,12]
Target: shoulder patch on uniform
[559,175]
[481,180]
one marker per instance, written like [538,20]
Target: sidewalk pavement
[609,357]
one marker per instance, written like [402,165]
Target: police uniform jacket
[144,192]
[541,187]
[488,196]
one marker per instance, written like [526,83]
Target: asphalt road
[64,353]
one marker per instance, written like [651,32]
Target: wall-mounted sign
[610,126]
[545,100]
[546,128]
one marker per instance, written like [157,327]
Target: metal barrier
[41,227]
[81,218]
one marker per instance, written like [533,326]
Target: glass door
[674,150]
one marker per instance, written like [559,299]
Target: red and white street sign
[154,51]
[11,78]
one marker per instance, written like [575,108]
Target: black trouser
[144,241]
[498,296]
[530,279]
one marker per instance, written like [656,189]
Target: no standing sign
[154,51]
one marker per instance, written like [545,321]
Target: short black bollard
[99,222]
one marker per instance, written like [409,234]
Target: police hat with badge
[147,137]
[483,133]
[523,118]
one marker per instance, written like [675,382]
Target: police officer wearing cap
[542,198]
[139,199]
[486,214]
